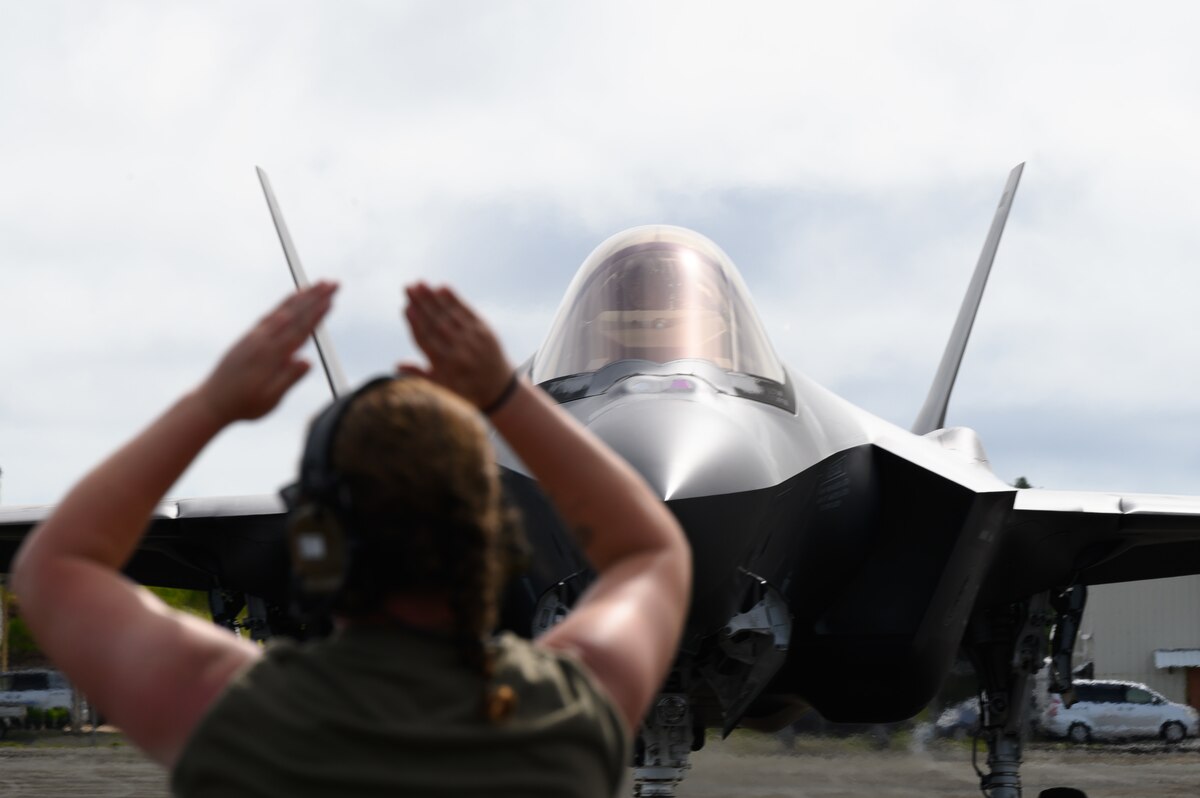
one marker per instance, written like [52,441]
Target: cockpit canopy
[658,294]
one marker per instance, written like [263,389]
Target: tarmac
[746,765]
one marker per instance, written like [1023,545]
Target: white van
[36,689]
[1107,710]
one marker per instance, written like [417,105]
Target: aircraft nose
[685,448]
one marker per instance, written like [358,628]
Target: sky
[847,156]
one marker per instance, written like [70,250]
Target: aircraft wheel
[1062,792]
[1079,733]
[1173,732]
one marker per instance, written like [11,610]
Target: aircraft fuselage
[874,560]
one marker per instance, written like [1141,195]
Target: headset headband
[319,525]
[318,478]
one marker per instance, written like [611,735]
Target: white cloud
[848,156]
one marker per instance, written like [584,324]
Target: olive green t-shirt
[384,711]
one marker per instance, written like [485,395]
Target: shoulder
[552,676]
[558,696]
[516,656]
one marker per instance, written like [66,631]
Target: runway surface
[745,766]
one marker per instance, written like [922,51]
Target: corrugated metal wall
[1123,625]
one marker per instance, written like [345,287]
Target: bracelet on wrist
[503,398]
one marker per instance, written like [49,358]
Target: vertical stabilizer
[933,413]
[329,361]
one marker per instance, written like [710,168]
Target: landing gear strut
[664,744]
[263,619]
[1007,647]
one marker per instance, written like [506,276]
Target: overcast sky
[848,156]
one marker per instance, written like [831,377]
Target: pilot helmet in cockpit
[656,294]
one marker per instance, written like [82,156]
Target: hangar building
[1145,632]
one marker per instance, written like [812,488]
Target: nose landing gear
[1007,646]
[663,747]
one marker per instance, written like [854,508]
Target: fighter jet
[840,562]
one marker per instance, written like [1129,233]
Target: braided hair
[426,504]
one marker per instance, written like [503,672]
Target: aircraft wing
[236,542]
[1058,538]
[233,542]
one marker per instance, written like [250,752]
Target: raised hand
[464,354]
[259,369]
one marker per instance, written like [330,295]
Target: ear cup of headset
[317,545]
[318,511]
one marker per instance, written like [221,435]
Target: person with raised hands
[413,693]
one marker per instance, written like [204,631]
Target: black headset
[320,521]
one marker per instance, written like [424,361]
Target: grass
[48,738]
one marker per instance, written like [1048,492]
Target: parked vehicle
[45,693]
[1108,710]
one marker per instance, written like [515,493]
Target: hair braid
[472,600]
[427,498]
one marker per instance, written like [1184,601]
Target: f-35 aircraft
[841,562]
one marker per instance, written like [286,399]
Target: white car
[1107,710]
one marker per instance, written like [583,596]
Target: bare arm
[626,627]
[152,670]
